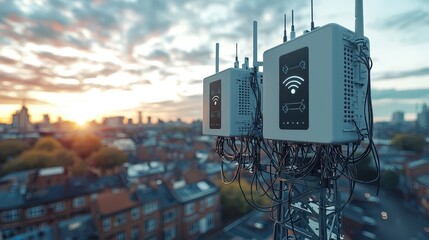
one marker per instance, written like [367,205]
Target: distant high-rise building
[46,119]
[149,120]
[423,117]
[130,121]
[21,120]
[398,117]
[114,122]
[140,117]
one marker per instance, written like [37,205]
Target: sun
[79,116]
[81,122]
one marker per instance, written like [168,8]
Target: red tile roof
[112,202]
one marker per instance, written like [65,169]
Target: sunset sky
[85,60]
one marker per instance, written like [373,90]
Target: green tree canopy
[47,144]
[107,158]
[390,179]
[409,142]
[29,160]
[365,169]
[47,152]
[11,148]
[233,202]
[85,145]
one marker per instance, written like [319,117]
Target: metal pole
[322,215]
[322,202]
[217,58]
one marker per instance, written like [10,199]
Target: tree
[389,179]
[409,142]
[66,158]
[78,167]
[11,148]
[29,160]
[47,144]
[107,158]
[234,204]
[365,171]
[85,145]
[47,152]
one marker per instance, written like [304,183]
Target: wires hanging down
[274,169]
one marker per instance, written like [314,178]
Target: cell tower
[297,126]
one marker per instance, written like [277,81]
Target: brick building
[25,207]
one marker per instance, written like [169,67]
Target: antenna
[255,45]
[312,22]
[217,58]
[292,29]
[359,19]
[284,30]
[236,63]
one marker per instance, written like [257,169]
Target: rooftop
[44,172]
[194,190]
[18,196]
[254,225]
[78,227]
[418,163]
[113,202]
[424,180]
[143,169]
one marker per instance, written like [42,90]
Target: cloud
[400,94]
[412,19]
[188,107]
[18,100]
[403,74]
[199,56]
[408,22]
[7,61]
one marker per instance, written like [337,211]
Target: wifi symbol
[215,99]
[293,83]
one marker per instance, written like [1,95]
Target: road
[403,222]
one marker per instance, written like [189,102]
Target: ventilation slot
[243,98]
[348,84]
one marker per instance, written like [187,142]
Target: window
[150,225]
[202,204]
[210,221]
[120,236]
[11,215]
[210,201]
[135,233]
[78,202]
[169,215]
[94,196]
[59,207]
[149,208]
[35,212]
[120,219]
[135,213]
[194,227]
[106,224]
[189,208]
[170,233]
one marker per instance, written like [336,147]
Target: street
[397,218]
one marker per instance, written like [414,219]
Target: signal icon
[293,83]
[215,99]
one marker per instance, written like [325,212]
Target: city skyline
[86,60]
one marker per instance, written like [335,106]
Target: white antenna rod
[217,58]
[255,45]
[284,30]
[236,63]
[312,22]
[359,19]
[292,29]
